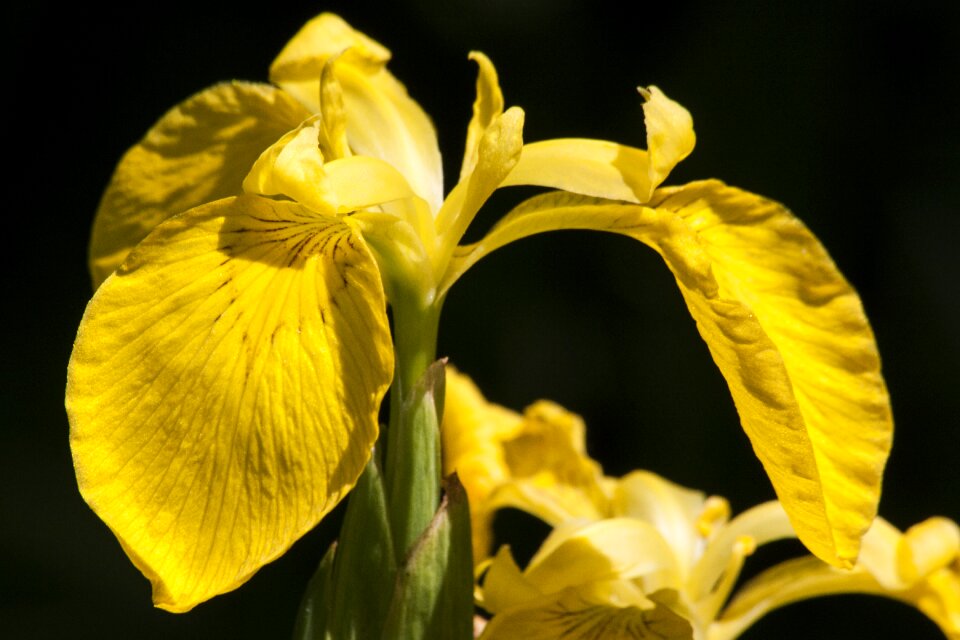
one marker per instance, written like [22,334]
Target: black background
[846,112]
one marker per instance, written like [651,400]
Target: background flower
[844,114]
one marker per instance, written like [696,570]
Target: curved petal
[936,592]
[607,169]
[784,327]
[294,167]
[224,388]
[198,152]
[382,120]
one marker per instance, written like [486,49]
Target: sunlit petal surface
[224,388]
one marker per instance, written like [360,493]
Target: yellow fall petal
[607,169]
[589,612]
[381,119]
[224,389]
[198,152]
[784,327]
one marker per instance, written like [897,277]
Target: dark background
[846,112]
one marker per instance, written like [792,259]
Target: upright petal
[198,152]
[784,327]
[224,389]
[382,120]
[607,169]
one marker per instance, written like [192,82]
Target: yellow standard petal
[224,388]
[381,119]
[784,327]
[608,169]
[198,152]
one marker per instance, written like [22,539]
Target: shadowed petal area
[224,388]
[198,152]
[782,324]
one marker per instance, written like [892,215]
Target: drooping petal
[382,120]
[536,461]
[607,169]
[224,389]
[762,256]
[198,152]
[784,327]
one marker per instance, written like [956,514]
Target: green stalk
[413,469]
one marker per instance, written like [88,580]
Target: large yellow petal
[224,388]
[198,152]
[784,327]
[607,169]
[382,120]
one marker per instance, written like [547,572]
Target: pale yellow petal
[487,107]
[936,592]
[224,388]
[503,584]
[382,120]
[198,152]
[784,327]
[610,549]
[589,167]
[295,167]
[607,169]
[497,153]
[673,510]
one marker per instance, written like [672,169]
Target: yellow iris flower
[641,557]
[226,379]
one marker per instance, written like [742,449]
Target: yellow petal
[497,153]
[764,258]
[487,107]
[590,611]
[382,120]
[784,327]
[607,169]
[611,549]
[936,593]
[536,462]
[295,167]
[673,510]
[224,388]
[198,152]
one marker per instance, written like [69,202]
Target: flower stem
[413,439]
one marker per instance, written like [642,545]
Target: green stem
[413,469]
